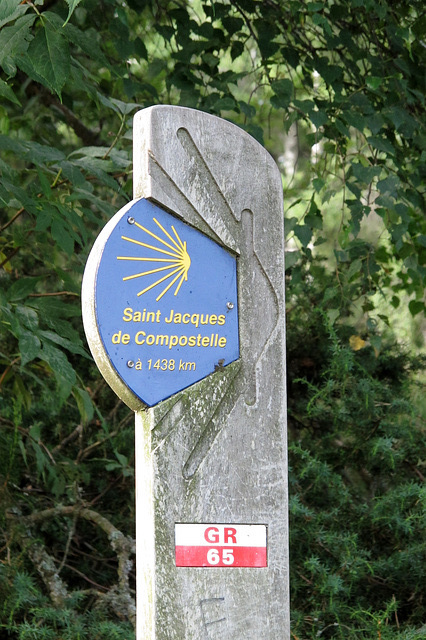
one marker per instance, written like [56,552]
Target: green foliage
[31,617]
[345,78]
[357,495]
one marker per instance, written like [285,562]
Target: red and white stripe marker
[221,545]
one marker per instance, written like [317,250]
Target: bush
[357,496]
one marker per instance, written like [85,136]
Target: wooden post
[183,304]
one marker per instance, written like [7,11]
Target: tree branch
[119,596]
[89,137]
[44,563]
[115,536]
[72,436]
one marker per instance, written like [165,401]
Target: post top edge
[152,111]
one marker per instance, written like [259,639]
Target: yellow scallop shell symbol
[177,265]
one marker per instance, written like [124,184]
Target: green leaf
[283,90]
[374,82]
[342,128]
[84,404]
[15,40]
[44,183]
[382,145]
[166,32]
[41,153]
[318,184]
[321,21]
[64,328]
[237,49]
[140,49]
[122,465]
[225,104]
[124,107]
[401,119]
[318,118]
[313,221]
[232,25]
[73,173]
[25,63]
[7,92]
[73,347]
[107,102]
[331,73]
[291,258]
[100,152]
[22,196]
[375,122]
[72,4]
[85,194]
[365,174]
[331,293]
[266,32]
[62,237]
[315,6]
[332,315]
[389,185]
[416,306]
[29,347]
[10,10]
[248,109]
[58,363]
[290,223]
[88,41]
[304,233]
[21,288]
[27,317]
[356,120]
[99,168]
[51,308]
[306,106]
[255,131]
[49,55]
[354,269]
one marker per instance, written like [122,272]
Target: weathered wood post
[183,305]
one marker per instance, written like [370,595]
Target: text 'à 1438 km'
[162,364]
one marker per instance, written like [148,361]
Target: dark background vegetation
[335,91]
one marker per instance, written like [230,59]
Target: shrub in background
[357,494]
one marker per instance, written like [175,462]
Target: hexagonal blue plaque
[165,302]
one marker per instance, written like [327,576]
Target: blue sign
[166,303]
